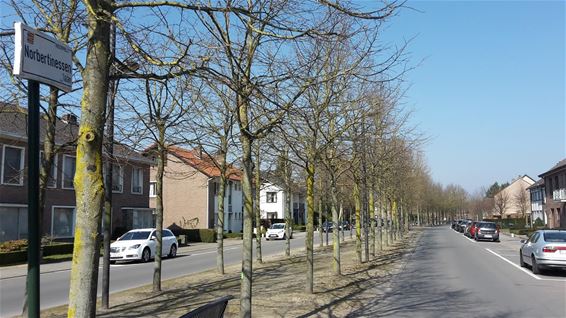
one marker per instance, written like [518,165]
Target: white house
[538,201]
[272,203]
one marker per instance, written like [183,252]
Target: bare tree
[502,201]
[522,202]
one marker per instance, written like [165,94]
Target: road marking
[515,265]
[526,270]
[211,252]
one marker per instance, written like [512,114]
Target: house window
[14,225]
[230,192]
[237,186]
[69,165]
[271,215]
[137,180]
[52,180]
[271,197]
[138,218]
[13,165]
[117,178]
[63,222]
[152,189]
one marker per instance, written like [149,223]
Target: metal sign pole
[34,237]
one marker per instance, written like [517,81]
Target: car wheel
[173,251]
[535,267]
[112,262]
[146,255]
[475,237]
[285,236]
[521,261]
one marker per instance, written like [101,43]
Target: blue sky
[490,92]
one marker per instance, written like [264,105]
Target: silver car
[544,249]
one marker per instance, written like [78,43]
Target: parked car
[327,226]
[278,231]
[471,229]
[465,226]
[544,249]
[454,223]
[140,245]
[487,231]
[345,226]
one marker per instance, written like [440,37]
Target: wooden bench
[213,309]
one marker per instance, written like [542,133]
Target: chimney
[69,118]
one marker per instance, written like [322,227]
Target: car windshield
[278,226]
[138,235]
[488,225]
[555,237]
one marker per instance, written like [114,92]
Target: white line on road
[515,265]
[526,271]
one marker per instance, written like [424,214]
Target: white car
[545,249]
[277,231]
[140,245]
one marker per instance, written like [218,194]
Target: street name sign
[42,58]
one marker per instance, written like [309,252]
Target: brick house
[555,192]
[130,200]
[190,186]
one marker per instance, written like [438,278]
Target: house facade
[130,200]
[514,200]
[555,195]
[191,185]
[538,199]
[272,203]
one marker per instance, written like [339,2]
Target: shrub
[526,232]
[13,246]
[234,235]
[539,223]
[299,228]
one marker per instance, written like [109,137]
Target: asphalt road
[54,279]
[450,275]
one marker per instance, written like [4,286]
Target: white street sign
[42,58]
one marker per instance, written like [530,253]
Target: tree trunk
[310,226]
[256,205]
[336,232]
[371,204]
[320,233]
[246,275]
[220,224]
[288,197]
[357,204]
[107,217]
[161,158]
[89,189]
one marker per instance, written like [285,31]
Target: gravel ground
[278,288]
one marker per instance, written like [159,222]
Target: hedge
[66,248]
[197,235]
[234,235]
[299,228]
[9,258]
